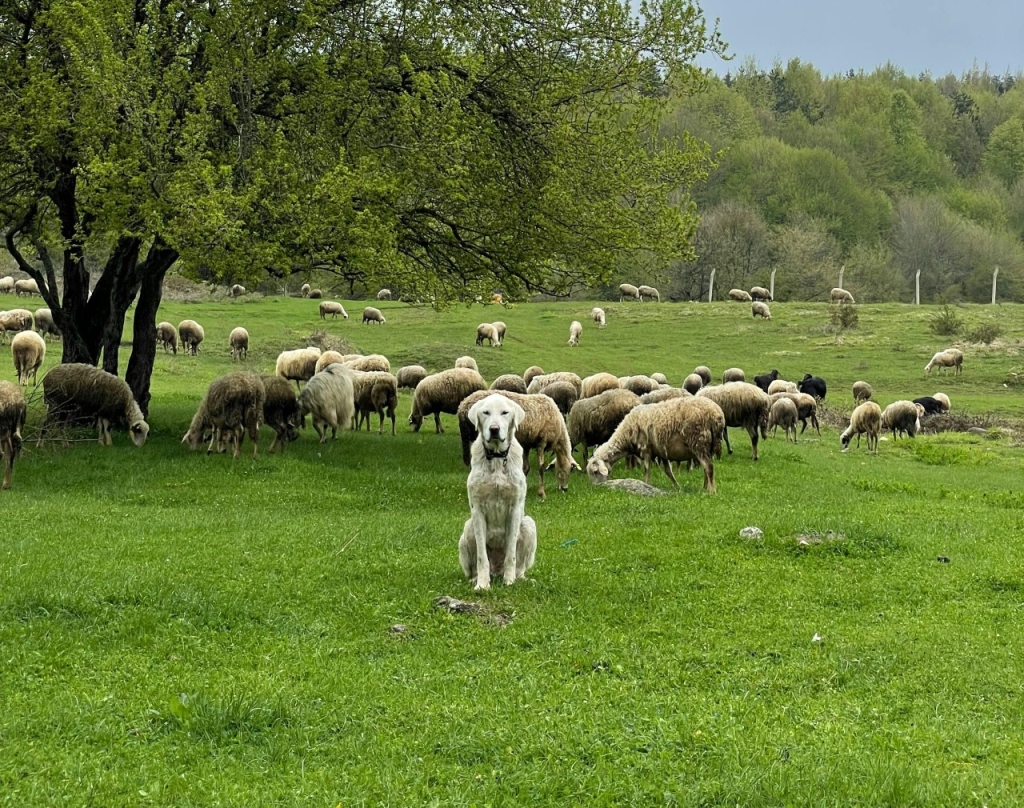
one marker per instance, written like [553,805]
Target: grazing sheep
[280,410]
[15,320]
[12,419]
[638,384]
[373,363]
[813,386]
[237,290]
[167,335]
[734,375]
[660,378]
[866,419]
[298,365]
[806,408]
[304,290]
[765,379]
[79,392]
[26,287]
[930,405]
[598,316]
[575,330]
[510,382]
[45,324]
[628,290]
[840,296]
[191,334]
[373,315]
[759,309]
[542,429]
[943,399]
[902,416]
[782,386]
[6,284]
[487,331]
[693,383]
[664,394]
[28,350]
[467,362]
[238,339]
[315,294]
[501,328]
[538,383]
[760,293]
[443,392]
[384,294]
[949,358]
[597,384]
[649,292]
[329,397]
[681,429]
[328,358]
[531,373]
[593,420]
[332,308]
[862,391]
[740,295]
[704,372]
[783,413]
[564,394]
[410,376]
[375,392]
[232,406]
[744,405]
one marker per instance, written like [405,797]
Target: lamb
[660,378]
[12,418]
[734,375]
[298,365]
[575,330]
[943,399]
[467,362]
[681,429]
[45,324]
[329,397]
[862,391]
[705,374]
[628,290]
[840,296]
[15,320]
[376,363]
[765,379]
[760,293]
[238,339]
[759,309]
[598,316]
[597,384]
[538,383]
[384,294]
[443,392]
[487,331]
[744,405]
[167,335]
[233,405]
[949,358]
[26,287]
[531,373]
[782,386]
[280,410]
[542,429]
[901,416]
[664,394]
[649,292]
[6,284]
[930,405]
[866,419]
[191,334]
[76,392]
[373,315]
[332,308]
[510,382]
[693,383]
[813,385]
[783,413]
[638,384]
[304,290]
[328,358]
[501,328]
[740,296]
[375,392]
[315,294]
[410,376]
[593,420]
[564,394]
[806,408]
[28,350]
[237,290]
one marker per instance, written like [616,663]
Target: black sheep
[765,379]
[932,406]
[813,386]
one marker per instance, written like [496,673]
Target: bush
[843,318]
[946,322]
[986,333]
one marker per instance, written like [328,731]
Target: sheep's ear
[518,413]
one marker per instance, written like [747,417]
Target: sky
[936,36]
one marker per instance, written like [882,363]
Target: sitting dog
[498,538]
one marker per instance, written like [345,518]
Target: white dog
[498,536]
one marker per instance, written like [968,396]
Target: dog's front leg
[515,521]
[483,566]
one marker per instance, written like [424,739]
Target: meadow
[185,630]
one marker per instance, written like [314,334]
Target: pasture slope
[178,629]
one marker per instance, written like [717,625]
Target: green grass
[177,629]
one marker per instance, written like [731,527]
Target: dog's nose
[495,430]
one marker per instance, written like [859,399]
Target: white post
[711,286]
[917,288]
[771,284]
[842,269]
[995,274]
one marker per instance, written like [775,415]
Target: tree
[1004,157]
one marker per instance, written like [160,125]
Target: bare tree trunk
[140,365]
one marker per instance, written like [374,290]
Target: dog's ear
[518,413]
[474,413]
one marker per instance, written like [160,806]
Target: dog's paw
[482,586]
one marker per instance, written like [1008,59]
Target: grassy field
[177,629]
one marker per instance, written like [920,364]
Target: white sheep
[77,392]
[782,386]
[760,293]
[509,382]
[575,330]
[373,315]
[693,383]
[15,320]
[597,383]
[6,285]
[375,392]
[191,334]
[649,292]
[866,420]
[45,324]
[467,362]
[902,416]
[949,358]
[238,339]
[759,309]
[332,308]
[329,397]
[862,391]
[943,399]
[305,289]
[638,384]
[664,394]
[315,294]
[501,328]
[538,383]
[598,316]
[167,335]
[328,358]
[593,420]
[740,295]
[12,418]
[410,376]
[26,287]
[443,393]
[704,372]
[806,408]
[744,405]
[384,294]
[237,290]
[298,365]
[840,296]
[734,375]
[487,331]
[660,378]
[232,406]
[531,373]
[374,363]
[28,350]
[564,394]
[783,413]
[628,290]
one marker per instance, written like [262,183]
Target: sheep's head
[139,432]
[844,439]
[597,471]
[193,438]
[415,421]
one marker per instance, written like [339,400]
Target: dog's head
[496,418]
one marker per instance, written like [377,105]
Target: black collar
[492,455]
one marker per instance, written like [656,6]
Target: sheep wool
[443,393]
[80,392]
[167,335]
[575,331]
[538,383]
[232,406]
[191,334]
[866,420]
[298,365]
[628,290]
[410,376]
[329,398]
[238,339]
[744,405]
[597,384]
[901,417]
[510,382]
[862,391]
[12,418]
[783,413]
[28,350]
[593,420]
[280,410]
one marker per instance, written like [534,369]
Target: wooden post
[771,284]
[711,286]
[995,274]
[917,288]
[842,269]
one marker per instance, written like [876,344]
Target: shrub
[843,318]
[946,322]
[986,333]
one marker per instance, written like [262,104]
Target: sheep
[949,358]
[760,293]
[575,330]
[734,375]
[813,385]
[233,404]
[866,419]
[765,379]
[564,394]
[759,309]
[511,382]
[26,287]
[680,429]
[638,384]
[373,363]
[328,358]
[781,386]
[930,405]
[28,350]
[375,392]
[298,365]
[531,373]
[649,292]
[693,383]
[280,410]
[384,294]
[82,392]
[315,294]
[45,324]
[593,420]
[901,416]
[628,290]
[304,290]
[7,284]
[744,406]
[332,308]
[542,429]
[410,376]
[660,378]
[12,418]
[664,394]
[191,334]
[167,335]
[238,339]
[237,290]
[704,372]
[443,392]
[840,296]
[597,384]
[806,408]
[740,295]
[943,399]
[15,320]
[538,383]
[487,331]
[329,397]
[862,391]
[598,316]
[783,413]
[373,315]
[501,328]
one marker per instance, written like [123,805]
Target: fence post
[771,284]
[842,269]
[917,288]
[995,274]
[711,286]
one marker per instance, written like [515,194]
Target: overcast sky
[938,36]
